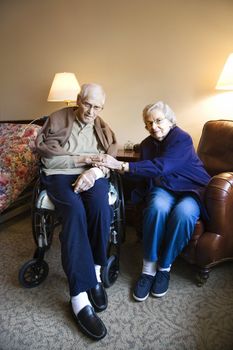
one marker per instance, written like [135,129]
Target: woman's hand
[107,161]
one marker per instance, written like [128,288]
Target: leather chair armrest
[216,243]
[219,203]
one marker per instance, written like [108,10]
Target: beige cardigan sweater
[57,129]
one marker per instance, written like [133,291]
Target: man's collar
[83,125]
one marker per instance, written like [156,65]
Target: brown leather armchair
[212,241]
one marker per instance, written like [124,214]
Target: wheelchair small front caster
[110,272]
[33,273]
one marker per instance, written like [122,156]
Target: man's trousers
[86,219]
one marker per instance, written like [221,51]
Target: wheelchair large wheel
[33,273]
[119,206]
[122,209]
[43,227]
[110,272]
[42,221]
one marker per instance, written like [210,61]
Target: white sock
[164,268]
[97,272]
[79,302]
[149,267]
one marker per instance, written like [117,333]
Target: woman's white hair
[164,108]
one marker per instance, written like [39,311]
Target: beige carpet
[188,317]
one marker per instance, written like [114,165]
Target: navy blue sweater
[171,163]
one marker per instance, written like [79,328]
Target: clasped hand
[82,160]
[100,160]
[87,179]
[106,160]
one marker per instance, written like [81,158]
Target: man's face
[157,125]
[90,106]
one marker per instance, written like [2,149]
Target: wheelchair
[45,220]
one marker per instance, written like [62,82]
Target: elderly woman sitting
[173,182]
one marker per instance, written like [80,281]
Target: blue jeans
[86,219]
[168,224]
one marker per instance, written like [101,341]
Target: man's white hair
[85,89]
[164,108]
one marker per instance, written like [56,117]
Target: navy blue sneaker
[143,287]
[161,283]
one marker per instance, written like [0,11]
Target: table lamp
[225,81]
[65,88]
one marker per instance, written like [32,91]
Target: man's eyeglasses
[89,106]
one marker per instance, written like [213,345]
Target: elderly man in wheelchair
[80,194]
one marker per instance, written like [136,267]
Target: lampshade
[65,87]
[225,81]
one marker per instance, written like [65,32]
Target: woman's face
[157,125]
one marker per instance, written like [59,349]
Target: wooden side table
[127,156]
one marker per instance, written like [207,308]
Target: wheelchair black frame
[44,222]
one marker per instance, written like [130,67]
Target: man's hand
[82,160]
[85,181]
[107,161]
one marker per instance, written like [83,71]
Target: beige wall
[139,50]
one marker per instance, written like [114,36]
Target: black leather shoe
[98,297]
[89,323]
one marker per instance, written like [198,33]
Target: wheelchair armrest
[112,194]
[44,202]
[219,203]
